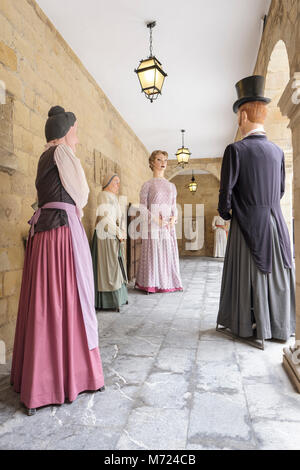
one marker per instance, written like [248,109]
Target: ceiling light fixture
[150,72]
[193,184]
[183,154]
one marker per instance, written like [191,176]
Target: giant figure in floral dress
[159,262]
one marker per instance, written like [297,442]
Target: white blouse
[72,175]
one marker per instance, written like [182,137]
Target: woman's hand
[162,222]
[172,221]
[122,237]
[159,221]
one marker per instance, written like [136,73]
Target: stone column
[289,105]
[287,200]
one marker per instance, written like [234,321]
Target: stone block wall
[40,70]
[208,195]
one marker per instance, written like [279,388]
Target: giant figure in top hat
[257,294]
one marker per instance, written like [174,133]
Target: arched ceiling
[204,46]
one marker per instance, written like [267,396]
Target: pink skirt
[51,358]
[155,290]
[158,269]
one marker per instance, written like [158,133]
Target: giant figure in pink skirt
[159,262]
[56,353]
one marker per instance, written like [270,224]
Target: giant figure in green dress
[108,249]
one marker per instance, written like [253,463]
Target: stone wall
[208,195]
[40,70]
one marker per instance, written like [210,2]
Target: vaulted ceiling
[205,47]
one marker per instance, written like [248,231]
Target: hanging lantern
[183,154]
[150,72]
[193,185]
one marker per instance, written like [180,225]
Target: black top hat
[250,89]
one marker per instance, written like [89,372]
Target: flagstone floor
[172,382]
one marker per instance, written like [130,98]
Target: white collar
[260,130]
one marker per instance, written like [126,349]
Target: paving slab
[154,428]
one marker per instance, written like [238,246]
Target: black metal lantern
[193,184]
[183,154]
[150,72]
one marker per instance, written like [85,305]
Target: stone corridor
[172,382]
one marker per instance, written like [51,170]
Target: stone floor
[172,382]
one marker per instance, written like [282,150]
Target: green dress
[108,260]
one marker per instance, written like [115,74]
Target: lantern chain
[183,131]
[151,26]
[151,43]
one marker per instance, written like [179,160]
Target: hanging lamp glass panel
[151,77]
[183,155]
[193,186]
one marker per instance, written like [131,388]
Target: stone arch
[278,28]
[277,125]
[278,37]
[212,168]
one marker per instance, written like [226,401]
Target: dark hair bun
[56,110]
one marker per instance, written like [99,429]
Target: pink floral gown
[159,262]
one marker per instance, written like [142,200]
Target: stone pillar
[290,106]
[287,200]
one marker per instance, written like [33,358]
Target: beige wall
[40,70]
[208,195]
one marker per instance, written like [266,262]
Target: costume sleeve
[282,185]
[144,206]
[214,223]
[106,220]
[174,206]
[229,175]
[72,175]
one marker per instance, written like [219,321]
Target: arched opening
[278,76]
[202,209]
